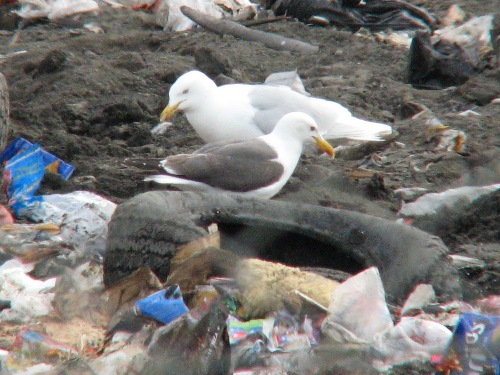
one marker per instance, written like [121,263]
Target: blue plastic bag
[475,344]
[164,306]
[25,167]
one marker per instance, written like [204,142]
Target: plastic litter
[83,216]
[451,200]
[53,9]
[164,306]
[78,292]
[358,309]
[191,346]
[5,216]
[28,297]
[32,242]
[420,297]
[25,166]
[358,315]
[410,339]
[128,360]
[475,345]
[170,17]
[474,36]
[451,55]
[31,347]
[464,262]
[490,305]
[290,79]
[239,330]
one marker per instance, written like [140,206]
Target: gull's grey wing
[238,167]
[273,102]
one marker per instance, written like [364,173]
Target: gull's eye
[185,91]
[312,128]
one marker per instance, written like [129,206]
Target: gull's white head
[188,90]
[302,127]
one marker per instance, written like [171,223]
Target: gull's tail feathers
[179,182]
[357,129]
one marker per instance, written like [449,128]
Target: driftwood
[4,112]
[221,27]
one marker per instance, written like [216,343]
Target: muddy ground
[93,98]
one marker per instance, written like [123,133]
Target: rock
[482,88]
[119,112]
[212,62]
[52,62]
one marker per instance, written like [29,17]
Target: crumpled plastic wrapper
[170,17]
[53,9]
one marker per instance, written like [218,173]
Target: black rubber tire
[146,230]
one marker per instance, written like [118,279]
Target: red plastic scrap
[5,215]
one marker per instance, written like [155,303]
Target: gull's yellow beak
[169,112]
[325,146]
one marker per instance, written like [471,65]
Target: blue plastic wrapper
[475,345]
[164,306]
[25,167]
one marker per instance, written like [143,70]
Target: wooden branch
[4,112]
[221,27]
[262,21]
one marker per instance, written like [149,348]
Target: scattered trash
[462,262]
[474,347]
[490,305]
[170,17]
[78,292]
[290,79]
[28,297]
[420,297]
[445,139]
[206,330]
[446,202]
[410,339]
[474,37]
[409,194]
[469,113]
[451,55]
[30,243]
[5,216]
[161,128]
[25,166]
[240,330]
[53,9]
[82,216]
[131,288]
[439,137]
[164,306]
[57,317]
[358,314]
[374,15]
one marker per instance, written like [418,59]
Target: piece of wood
[221,27]
[4,112]
[262,21]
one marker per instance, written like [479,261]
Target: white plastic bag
[83,217]
[358,309]
[410,339]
